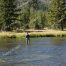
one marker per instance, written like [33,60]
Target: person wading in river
[28,38]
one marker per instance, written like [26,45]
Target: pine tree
[62,9]
[25,17]
[34,4]
[56,13]
[2,14]
[10,14]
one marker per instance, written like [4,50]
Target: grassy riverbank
[44,33]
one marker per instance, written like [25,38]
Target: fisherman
[28,38]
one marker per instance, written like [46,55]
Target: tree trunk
[62,28]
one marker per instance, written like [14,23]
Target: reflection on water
[40,52]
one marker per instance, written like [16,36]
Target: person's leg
[27,41]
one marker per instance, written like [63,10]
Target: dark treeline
[32,14]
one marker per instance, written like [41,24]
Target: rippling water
[40,52]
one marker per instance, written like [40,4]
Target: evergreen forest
[32,14]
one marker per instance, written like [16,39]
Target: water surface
[40,52]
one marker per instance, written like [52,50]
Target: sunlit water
[40,52]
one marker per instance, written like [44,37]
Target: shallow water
[40,52]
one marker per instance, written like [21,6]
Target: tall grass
[50,33]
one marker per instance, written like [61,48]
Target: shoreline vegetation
[34,33]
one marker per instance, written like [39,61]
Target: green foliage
[56,14]
[34,4]
[10,14]
[25,17]
[40,21]
[32,14]
[37,20]
[53,13]
[2,14]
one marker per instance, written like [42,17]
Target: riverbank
[44,33]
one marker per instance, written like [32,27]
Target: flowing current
[40,52]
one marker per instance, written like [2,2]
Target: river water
[40,52]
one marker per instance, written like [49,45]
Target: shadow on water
[40,52]
[7,44]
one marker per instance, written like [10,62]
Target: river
[40,52]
